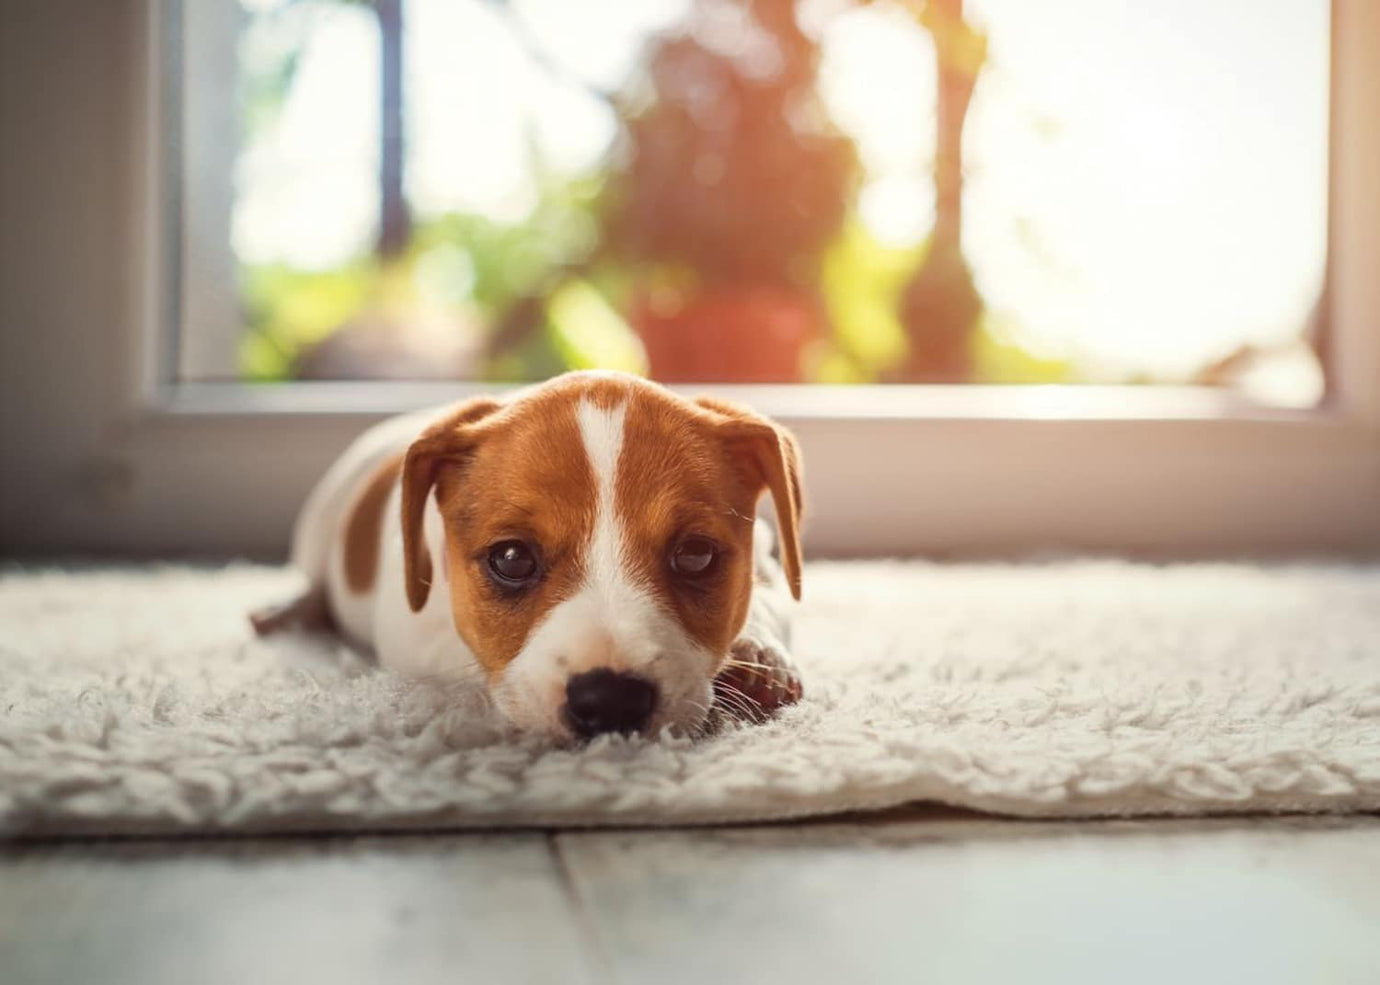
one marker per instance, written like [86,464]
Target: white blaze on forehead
[601,430]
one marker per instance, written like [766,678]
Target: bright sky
[1146,181]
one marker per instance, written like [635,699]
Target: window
[845,191]
[137,412]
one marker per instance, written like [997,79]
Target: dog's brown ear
[451,439]
[767,455]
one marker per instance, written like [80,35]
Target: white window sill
[369,400]
[939,471]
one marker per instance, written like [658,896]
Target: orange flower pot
[746,335]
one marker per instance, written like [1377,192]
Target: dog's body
[590,552]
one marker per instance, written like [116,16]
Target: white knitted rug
[137,700]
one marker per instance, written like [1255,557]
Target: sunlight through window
[838,191]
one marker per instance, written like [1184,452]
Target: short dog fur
[586,547]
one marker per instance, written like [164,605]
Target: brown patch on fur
[527,479]
[675,480]
[364,526]
[448,440]
[519,471]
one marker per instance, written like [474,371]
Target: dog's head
[598,545]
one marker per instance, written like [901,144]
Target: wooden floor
[918,897]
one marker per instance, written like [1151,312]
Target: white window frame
[106,452]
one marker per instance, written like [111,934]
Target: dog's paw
[757,681]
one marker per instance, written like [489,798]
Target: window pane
[758,190]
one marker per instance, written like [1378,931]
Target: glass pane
[760,190]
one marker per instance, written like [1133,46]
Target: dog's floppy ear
[768,456]
[450,439]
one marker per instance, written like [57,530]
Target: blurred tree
[734,175]
[725,197]
[941,307]
[732,168]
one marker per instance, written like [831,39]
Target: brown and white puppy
[586,547]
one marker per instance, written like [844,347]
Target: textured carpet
[136,700]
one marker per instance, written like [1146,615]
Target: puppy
[586,547]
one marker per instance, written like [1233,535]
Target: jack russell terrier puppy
[587,547]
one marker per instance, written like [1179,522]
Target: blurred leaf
[589,334]
[861,282]
[997,358]
[290,309]
[263,362]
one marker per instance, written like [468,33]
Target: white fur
[602,434]
[611,621]
[422,643]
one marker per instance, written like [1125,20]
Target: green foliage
[557,261]
[453,260]
[536,358]
[589,334]
[290,309]
[861,281]
[862,284]
[471,261]
[999,358]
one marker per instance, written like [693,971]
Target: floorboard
[971,900]
[908,897]
[406,910]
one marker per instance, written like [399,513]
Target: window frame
[151,465]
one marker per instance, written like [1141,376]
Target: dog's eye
[512,563]
[693,556]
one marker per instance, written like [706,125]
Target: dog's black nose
[603,700]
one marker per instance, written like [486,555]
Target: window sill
[938,471]
[372,400]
